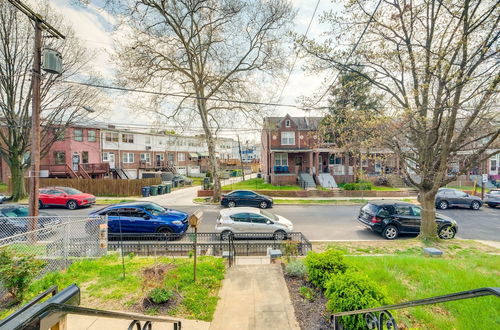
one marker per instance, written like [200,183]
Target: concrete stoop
[254,297]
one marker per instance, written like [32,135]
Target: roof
[303,123]
[235,210]
[388,201]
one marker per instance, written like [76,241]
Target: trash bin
[154,190]
[206,183]
[145,191]
[168,188]
[161,189]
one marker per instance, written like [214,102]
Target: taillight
[375,219]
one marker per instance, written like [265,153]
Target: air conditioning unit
[51,61]
[148,147]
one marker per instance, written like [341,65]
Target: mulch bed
[311,315]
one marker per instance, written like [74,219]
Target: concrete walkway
[254,297]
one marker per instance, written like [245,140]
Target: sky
[94,27]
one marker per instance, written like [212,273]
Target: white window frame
[105,156]
[127,159]
[146,157]
[94,136]
[288,138]
[111,137]
[127,138]
[162,157]
[181,157]
[281,159]
[287,123]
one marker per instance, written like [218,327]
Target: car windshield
[155,209]
[269,215]
[16,212]
[71,191]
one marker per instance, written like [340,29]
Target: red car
[64,196]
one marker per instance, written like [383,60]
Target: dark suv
[246,198]
[447,197]
[391,218]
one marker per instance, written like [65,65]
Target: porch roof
[290,150]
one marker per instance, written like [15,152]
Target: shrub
[160,295]
[382,181]
[296,268]
[364,185]
[352,291]
[307,293]
[17,271]
[320,266]
[290,249]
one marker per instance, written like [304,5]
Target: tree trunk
[428,226]
[17,179]
[214,167]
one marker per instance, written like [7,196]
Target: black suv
[447,197]
[391,218]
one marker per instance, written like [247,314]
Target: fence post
[65,244]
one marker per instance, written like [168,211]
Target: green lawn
[107,201]
[103,287]
[411,276]
[320,201]
[3,187]
[468,188]
[384,188]
[196,180]
[257,184]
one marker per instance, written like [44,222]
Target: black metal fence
[245,244]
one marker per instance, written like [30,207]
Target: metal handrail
[373,321]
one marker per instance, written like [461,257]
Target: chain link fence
[58,241]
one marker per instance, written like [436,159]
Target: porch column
[346,166]
[316,156]
[310,163]
[271,167]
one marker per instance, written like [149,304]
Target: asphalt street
[332,222]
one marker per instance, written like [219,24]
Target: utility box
[51,61]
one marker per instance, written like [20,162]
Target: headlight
[177,222]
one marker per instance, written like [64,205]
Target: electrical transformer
[51,61]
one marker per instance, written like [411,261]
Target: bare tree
[209,51]
[437,63]
[62,104]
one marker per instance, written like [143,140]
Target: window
[105,156]
[281,159]
[59,133]
[460,194]
[240,217]
[493,165]
[416,211]
[128,157]
[288,138]
[111,137]
[287,123]
[60,157]
[78,134]
[91,136]
[160,156]
[85,157]
[146,158]
[128,138]
[181,156]
[403,210]
[170,157]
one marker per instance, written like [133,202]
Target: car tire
[279,235]
[263,205]
[443,205]
[224,236]
[166,231]
[475,205]
[71,205]
[390,232]
[40,204]
[231,204]
[447,232]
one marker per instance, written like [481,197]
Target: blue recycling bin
[146,191]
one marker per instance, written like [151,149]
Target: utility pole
[241,159]
[34,178]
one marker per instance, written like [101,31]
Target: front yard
[167,281]
[403,273]
[257,184]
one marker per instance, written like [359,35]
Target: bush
[382,181]
[321,266]
[160,295]
[364,185]
[290,249]
[351,291]
[307,293]
[296,268]
[17,271]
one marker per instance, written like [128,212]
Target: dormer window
[287,123]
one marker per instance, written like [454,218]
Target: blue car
[143,217]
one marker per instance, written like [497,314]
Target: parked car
[142,217]
[447,197]
[492,198]
[64,196]
[3,198]
[246,198]
[392,218]
[250,220]
[14,220]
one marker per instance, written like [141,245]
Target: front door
[76,162]
[298,164]
[158,160]
[494,166]
[111,158]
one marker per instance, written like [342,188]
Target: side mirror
[269,222]
[147,217]
[467,195]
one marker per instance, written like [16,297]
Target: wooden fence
[100,187]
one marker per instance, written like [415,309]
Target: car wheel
[231,204]
[167,232]
[40,204]
[224,236]
[72,205]
[263,205]
[443,205]
[475,205]
[447,232]
[279,235]
[390,232]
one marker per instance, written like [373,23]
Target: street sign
[485,178]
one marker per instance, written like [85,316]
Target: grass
[414,276]
[107,201]
[196,180]
[384,188]
[468,188]
[257,184]
[321,201]
[3,187]
[104,288]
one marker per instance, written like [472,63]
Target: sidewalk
[254,297]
